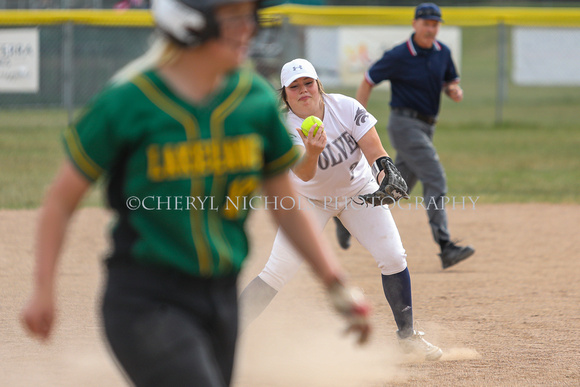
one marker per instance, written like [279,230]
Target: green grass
[30,154]
[512,164]
[532,156]
[515,162]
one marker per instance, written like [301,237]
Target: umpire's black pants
[168,329]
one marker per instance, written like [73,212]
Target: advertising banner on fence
[342,55]
[19,58]
[546,56]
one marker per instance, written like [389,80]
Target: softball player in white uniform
[333,171]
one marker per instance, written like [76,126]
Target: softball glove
[392,188]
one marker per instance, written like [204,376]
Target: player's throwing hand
[314,143]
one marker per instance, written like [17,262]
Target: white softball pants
[373,227]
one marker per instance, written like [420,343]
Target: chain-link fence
[76,59]
[34,4]
[52,4]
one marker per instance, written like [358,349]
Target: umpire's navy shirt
[417,75]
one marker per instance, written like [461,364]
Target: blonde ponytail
[161,51]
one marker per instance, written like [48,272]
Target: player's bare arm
[392,185]
[373,149]
[62,199]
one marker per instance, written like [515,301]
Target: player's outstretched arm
[60,203]
[371,146]
[299,229]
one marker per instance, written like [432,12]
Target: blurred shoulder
[401,48]
[115,96]
[258,82]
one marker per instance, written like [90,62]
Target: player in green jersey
[182,137]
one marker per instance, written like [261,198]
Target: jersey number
[238,196]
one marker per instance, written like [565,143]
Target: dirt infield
[509,316]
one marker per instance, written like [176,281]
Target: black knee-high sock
[397,289]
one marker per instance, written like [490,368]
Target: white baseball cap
[295,69]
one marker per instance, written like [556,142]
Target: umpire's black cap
[429,11]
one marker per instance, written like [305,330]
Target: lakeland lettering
[200,158]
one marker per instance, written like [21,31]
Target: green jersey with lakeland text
[179,175]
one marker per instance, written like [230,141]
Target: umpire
[419,69]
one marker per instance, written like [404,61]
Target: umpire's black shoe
[342,234]
[452,254]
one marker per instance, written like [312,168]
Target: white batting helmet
[189,22]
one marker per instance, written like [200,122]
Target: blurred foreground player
[181,123]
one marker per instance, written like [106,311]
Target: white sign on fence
[342,55]
[546,56]
[19,58]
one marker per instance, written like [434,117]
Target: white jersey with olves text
[342,168]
